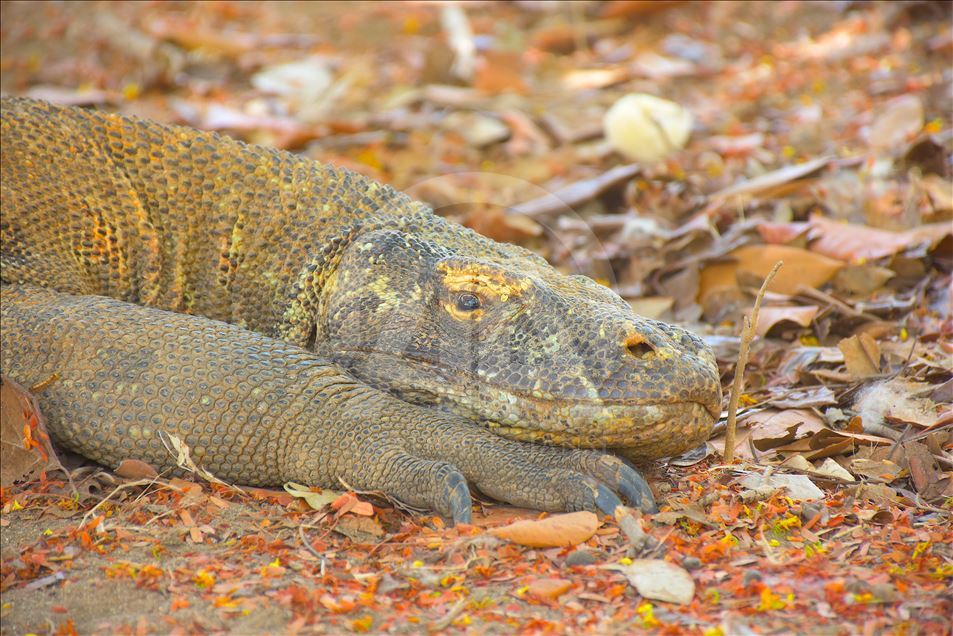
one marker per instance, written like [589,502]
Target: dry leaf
[902,119]
[316,500]
[18,461]
[873,469]
[25,448]
[770,428]
[659,580]
[136,469]
[772,183]
[798,487]
[653,307]
[861,280]
[849,242]
[359,529]
[548,588]
[801,267]
[578,193]
[861,355]
[831,468]
[499,72]
[801,315]
[552,532]
[498,225]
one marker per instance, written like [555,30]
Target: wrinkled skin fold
[390,337]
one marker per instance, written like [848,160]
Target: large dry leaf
[659,580]
[801,267]
[552,532]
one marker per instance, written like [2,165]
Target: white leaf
[658,580]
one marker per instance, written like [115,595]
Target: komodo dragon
[370,340]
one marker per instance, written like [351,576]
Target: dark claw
[636,491]
[606,500]
[458,499]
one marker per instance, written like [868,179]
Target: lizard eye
[468,302]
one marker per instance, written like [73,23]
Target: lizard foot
[536,476]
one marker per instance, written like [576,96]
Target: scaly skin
[386,294]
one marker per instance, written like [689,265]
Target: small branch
[449,617]
[747,335]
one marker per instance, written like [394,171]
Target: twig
[131,484]
[747,335]
[310,548]
[449,617]
[631,527]
[396,503]
[816,294]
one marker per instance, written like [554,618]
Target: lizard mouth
[639,428]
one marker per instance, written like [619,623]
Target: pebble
[580,557]
[691,563]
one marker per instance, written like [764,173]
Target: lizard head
[495,334]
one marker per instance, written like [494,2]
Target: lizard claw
[606,500]
[636,491]
[457,496]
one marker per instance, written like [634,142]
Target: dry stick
[747,335]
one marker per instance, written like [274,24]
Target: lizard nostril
[638,347]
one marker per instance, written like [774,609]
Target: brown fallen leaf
[883,469]
[136,469]
[772,183]
[801,267]
[861,356]
[632,8]
[850,242]
[578,193]
[359,529]
[651,306]
[499,72]
[25,449]
[557,531]
[498,225]
[548,588]
[771,316]
[862,280]
[900,120]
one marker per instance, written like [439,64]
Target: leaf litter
[821,136]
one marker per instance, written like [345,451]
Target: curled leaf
[317,500]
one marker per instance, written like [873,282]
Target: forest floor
[821,136]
